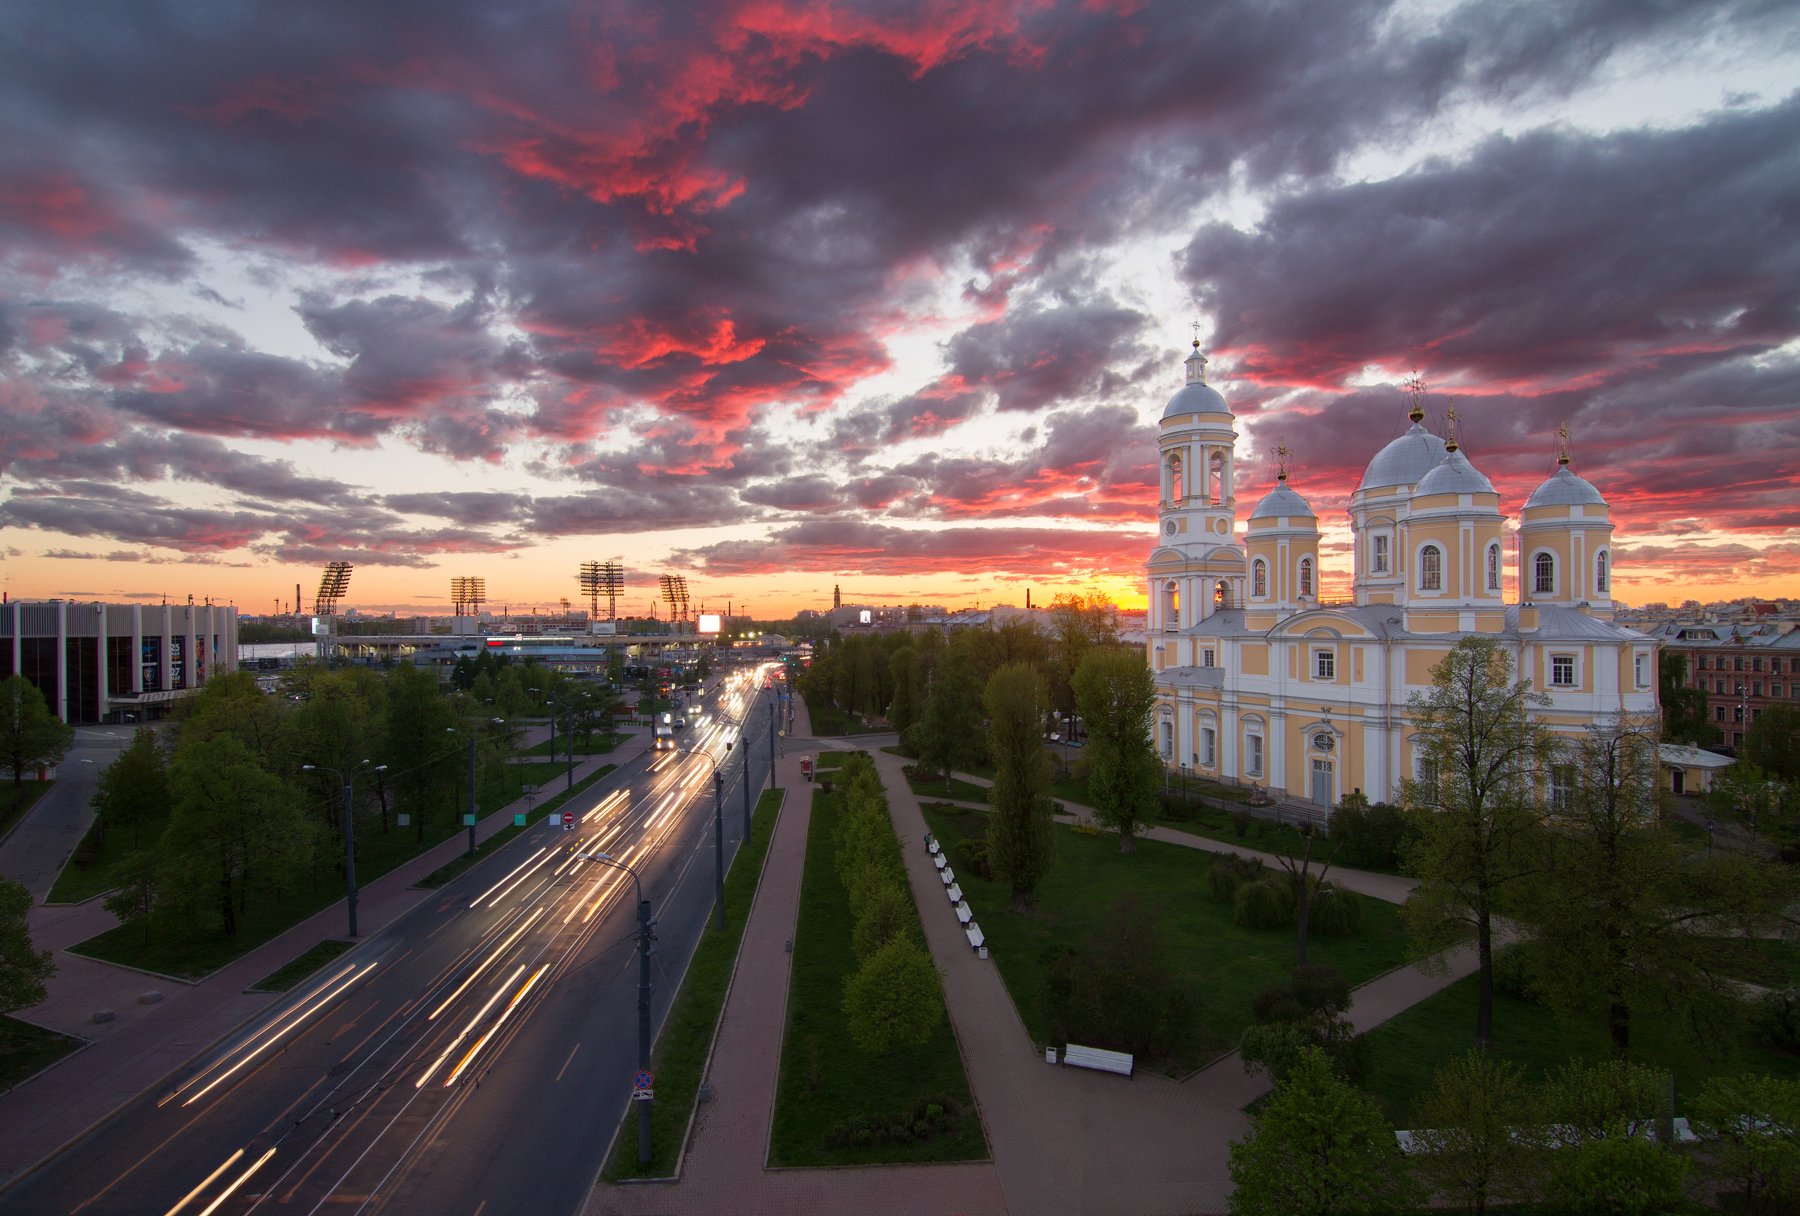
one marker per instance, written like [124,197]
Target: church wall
[1419,663]
[1254,658]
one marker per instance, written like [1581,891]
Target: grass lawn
[687,1034]
[960,790]
[828,720]
[179,951]
[25,1049]
[1406,1052]
[825,1077]
[18,799]
[1224,964]
[830,760]
[89,868]
[286,977]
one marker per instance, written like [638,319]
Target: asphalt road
[474,1057]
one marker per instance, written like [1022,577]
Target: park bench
[949,876]
[939,859]
[954,892]
[1097,1058]
[932,846]
[963,914]
[975,936]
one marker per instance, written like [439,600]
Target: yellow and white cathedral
[1261,682]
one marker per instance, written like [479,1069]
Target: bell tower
[1198,502]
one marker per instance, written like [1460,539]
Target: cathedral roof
[1452,475]
[1405,460]
[1196,396]
[1563,489]
[1282,500]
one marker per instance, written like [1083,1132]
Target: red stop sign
[568,816]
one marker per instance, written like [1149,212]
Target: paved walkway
[1063,1140]
[157,1023]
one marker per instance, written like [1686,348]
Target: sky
[886,297]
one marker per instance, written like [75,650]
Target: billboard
[710,622]
[868,617]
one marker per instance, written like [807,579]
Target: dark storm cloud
[1515,264]
[466,508]
[1043,356]
[860,547]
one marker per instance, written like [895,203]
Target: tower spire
[1281,454]
[1562,446]
[1450,444]
[1415,388]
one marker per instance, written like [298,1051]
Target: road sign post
[568,818]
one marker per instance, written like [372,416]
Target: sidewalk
[147,1041]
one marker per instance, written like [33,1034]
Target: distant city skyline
[888,296]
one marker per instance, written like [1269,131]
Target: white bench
[975,936]
[954,892]
[1097,1058]
[963,915]
[932,847]
[948,875]
[938,858]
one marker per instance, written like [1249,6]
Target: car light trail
[468,1026]
[206,1182]
[498,1023]
[231,1190]
[337,984]
[487,962]
[533,862]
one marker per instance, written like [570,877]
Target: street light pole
[774,709]
[349,832]
[719,845]
[646,940]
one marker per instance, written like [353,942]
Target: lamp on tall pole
[349,829]
[646,941]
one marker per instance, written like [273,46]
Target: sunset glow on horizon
[882,297]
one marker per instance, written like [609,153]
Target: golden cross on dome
[1281,454]
[1450,419]
[1415,388]
[1562,445]
[1196,328]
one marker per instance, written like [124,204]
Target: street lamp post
[646,940]
[718,844]
[349,831]
[774,710]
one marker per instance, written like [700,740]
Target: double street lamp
[349,827]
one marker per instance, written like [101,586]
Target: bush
[895,998]
[884,913]
[1081,990]
[1178,809]
[1619,1175]
[1267,903]
[1755,1122]
[1334,911]
[1778,1019]
[1369,835]
[1227,873]
[1240,822]
[937,1115]
[971,856]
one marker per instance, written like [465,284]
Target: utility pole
[719,845]
[471,813]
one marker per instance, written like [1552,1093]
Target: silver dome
[1563,489]
[1197,397]
[1453,475]
[1282,500]
[1405,460]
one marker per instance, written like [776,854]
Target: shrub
[1240,822]
[1755,1122]
[1081,990]
[1778,1019]
[884,913]
[1369,835]
[1229,872]
[937,1115]
[1179,809]
[971,856]
[895,998]
[1334,911]
[1267,903]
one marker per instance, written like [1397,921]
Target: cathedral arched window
[1431,568]
[1215,478]
[1221,594]
[1601,582]
[1493,567]
[1306,578]
[1259,578]
[1543,581]
[1171,605]
[1174,494]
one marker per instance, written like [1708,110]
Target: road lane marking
[565,1067]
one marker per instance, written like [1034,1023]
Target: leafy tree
[134,789]
[30,734]
[1743,793]
[1116,695]
[1307,1011]
[1020,839]
[1471,1151]
[903,669]
[1369,835]
[136,883]
[1077,626]
[1318,1148]
[236,831]
[23,970]
[1755,1123]
[1772,743]
[418,745]
[1482,750]
[1626,926]
[1684,717]
[1602,1162]
[949,733]
[895,998]
[1126,953]
[232,703]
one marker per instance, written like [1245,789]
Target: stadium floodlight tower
[675,595]
[466,597]
[589,578]
[334,581]
[612,585]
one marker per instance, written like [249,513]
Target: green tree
[1021,843]
[1754,1122]
[23,970]
[1743,793]
[1308,1010]
[949,733]
[134,789]
[235,834]
[420,748]
[1482,751]
[1602,1161]
[1127,953]
[1116,694]
[232,703]
[903,669]
[1772,743]
[136,880]
[895,998]
[1471,1150]
[1626,926]
[1318,1148]
[1683,708]
[1078,625]
[30,735]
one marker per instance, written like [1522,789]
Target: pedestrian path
[1063,1140]
[157,1024]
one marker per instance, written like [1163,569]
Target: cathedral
[1259,681]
